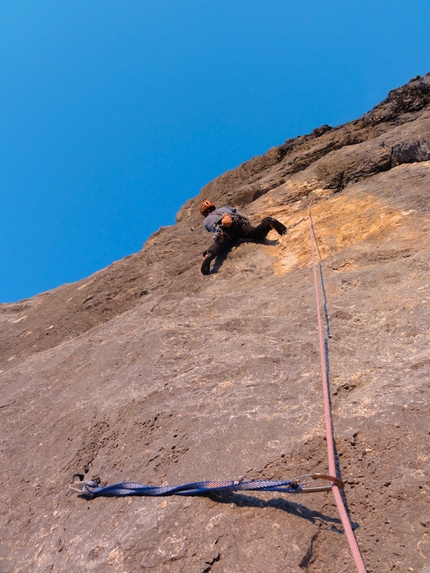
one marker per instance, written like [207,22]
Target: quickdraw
[302,484]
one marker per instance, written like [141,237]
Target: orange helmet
[206,207]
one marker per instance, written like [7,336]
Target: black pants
[238,230]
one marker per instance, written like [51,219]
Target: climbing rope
[302,484]
[355,550]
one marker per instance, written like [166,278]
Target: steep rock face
[148,371]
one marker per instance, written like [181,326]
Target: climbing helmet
[206,207]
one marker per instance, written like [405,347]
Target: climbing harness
[355,550]
[301,484]
[220,229]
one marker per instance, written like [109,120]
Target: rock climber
[229,226]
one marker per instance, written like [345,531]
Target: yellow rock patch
[339,222]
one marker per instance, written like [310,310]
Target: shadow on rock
[220,259]
[292,508]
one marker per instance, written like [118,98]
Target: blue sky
[113,113]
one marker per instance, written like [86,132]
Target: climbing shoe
[206,265]
[277,225]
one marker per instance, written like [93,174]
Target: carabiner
[304,480]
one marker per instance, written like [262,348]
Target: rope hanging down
[355,550]
[302,484]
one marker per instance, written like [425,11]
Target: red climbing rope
[355,550]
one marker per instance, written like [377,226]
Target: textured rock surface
[149,371]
